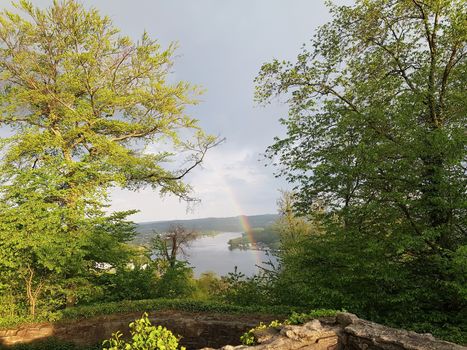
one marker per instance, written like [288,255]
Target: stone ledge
[345,332]
[377,336]
[198,329]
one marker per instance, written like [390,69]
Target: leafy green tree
[83,103]
[289,277]
[247,290]
[175,281]
[292,228]
[210,286]
[134,282]
[376,132]
[36,247]
[40,257]
[107,242]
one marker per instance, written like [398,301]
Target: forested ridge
[146,230]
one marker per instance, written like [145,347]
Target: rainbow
[244,222]
[249,233]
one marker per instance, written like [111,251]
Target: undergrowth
[189,305]
[248,338]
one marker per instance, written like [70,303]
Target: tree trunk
[32,293]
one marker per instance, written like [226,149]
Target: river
[212,253]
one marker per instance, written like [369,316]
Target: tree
[171,244]
[376,131]
[175,275]
[293,228]
[83,102]
[295,231]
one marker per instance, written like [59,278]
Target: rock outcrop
[343,332]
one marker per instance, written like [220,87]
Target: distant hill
[230,224]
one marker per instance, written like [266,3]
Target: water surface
[211,253]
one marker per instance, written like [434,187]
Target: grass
[190,305]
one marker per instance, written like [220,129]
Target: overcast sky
[222,44]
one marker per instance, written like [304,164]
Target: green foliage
[82,101]
[208,286]
[375,147]
[107,243]
[241,290]
[8,306]
[50,269]
[351,276]
[449,332]
[261,236]
[301,318]
[248,338]
[144,336]
[175,282]
[134,283]
[13,321]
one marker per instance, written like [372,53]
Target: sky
[221,47]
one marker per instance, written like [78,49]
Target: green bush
[8,305]
[144,336]
[241,290]
[210,286]
[248,338]
[128,284]
[295,318]
[301,318]
[176,282]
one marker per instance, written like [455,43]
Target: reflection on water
[211,253]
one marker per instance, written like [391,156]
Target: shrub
[210,286]
[248,338]
[295,318]
[8,305]
[133,283]
[300,318]
[242,290]
[177,281]
[144,336]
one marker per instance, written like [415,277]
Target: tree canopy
[376,133]
[82,103]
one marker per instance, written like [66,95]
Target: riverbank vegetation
[263,238]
